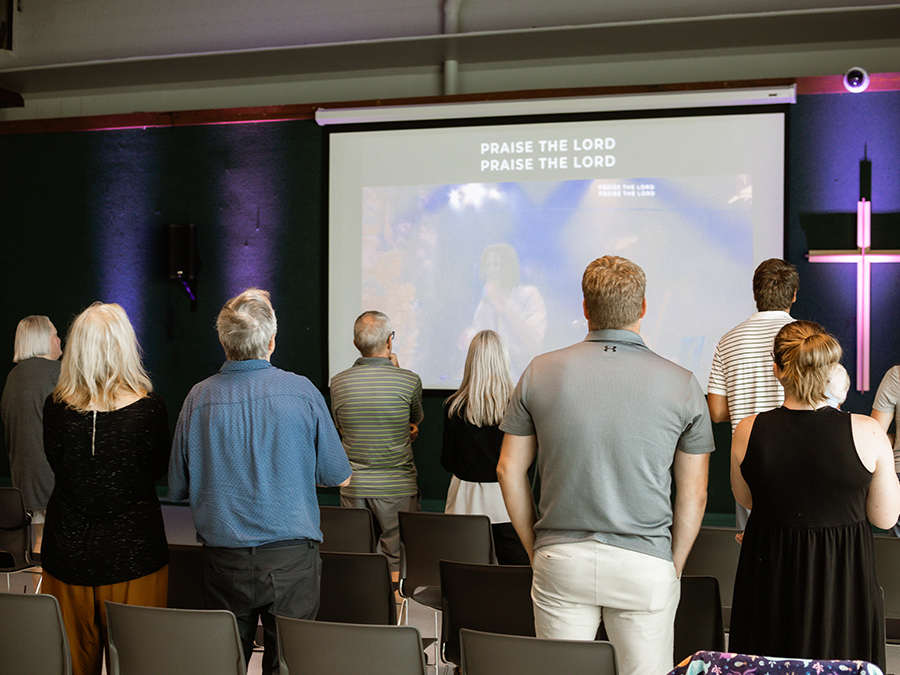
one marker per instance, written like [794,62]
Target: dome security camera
[856,80]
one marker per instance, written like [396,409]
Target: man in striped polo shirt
[377,409]
[742,381]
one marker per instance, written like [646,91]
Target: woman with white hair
[29,383]
[472,440]
[106,436]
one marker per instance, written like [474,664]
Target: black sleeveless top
[104,523]
[805,585]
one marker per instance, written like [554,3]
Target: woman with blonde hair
[472,440]
[106,437]
[814,478]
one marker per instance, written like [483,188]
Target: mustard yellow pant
[84,612]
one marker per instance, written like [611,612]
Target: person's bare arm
[739,487]
[884,419]
[691,477]
[874,450]
[516,455]
[718,408]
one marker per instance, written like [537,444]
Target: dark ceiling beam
[10,99]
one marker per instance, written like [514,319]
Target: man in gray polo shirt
[608,420]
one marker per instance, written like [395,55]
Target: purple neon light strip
[863,293]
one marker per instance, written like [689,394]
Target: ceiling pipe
[451,65]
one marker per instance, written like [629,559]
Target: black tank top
[803,470]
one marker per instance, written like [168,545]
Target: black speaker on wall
[181,251]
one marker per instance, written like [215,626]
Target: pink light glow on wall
[863,258]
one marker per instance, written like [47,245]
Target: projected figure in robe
[516,312]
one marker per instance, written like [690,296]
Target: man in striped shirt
[377,409]
[741,381]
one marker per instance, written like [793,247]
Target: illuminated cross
[864,259]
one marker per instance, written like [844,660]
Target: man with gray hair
[608,421]
[377,408]
[251,444]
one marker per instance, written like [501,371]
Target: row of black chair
[480,595]
[207,642]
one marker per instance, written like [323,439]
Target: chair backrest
[185,577]
[698,621]
[347,530]
[487,598]
[321,648]
[715,553]
[887,557]
[15,532]
[356,588]
[33,637]
[428,538]
[494,654]
[159,641]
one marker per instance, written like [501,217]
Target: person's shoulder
[154,400]
[342,374]
[747,423]
[207,389]
[739,329]
[203,384]
[289,378]
[864,423]
[572,351]
[35,367]
[51,405]
[408,374]
[47,365]
[663,366]
[357,370]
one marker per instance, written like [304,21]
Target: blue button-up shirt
[251,443]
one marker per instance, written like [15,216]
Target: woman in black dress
[814,478]
[106,437]
[472,440]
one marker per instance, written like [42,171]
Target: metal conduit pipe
[451,66]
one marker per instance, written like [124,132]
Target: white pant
[576,586]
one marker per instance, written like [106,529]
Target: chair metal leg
[437,643]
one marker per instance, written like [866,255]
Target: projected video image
[445,261]
[450,230]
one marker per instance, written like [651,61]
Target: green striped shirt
[373,404]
